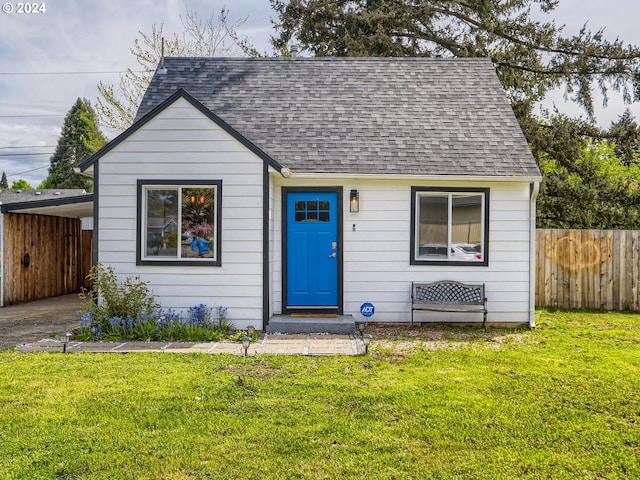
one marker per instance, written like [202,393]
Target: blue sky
[37,52]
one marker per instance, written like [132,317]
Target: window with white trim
[178,222]
[449,226]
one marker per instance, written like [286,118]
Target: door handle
[333,255]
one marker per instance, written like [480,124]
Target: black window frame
[415,259]
[142,185]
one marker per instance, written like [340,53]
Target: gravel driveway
[33,321]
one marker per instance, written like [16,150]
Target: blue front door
[312,250]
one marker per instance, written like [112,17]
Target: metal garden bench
[449,296]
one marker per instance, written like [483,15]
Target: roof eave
[34,205]
[433,178]
[84,167]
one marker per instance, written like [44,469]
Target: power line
[40,146]
[27,171]
[32,116]
[46,165]
[23,154]
[75,73]
[3,154]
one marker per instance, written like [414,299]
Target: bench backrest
[444,292]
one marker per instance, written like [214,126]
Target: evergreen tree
[4,183]
[595,191]
[79,139]
[531,58]
[625,133]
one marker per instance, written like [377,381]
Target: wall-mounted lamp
[354,201]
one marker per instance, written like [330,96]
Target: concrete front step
[342,324]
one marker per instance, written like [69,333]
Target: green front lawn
[562,401]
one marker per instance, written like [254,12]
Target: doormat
[315,315]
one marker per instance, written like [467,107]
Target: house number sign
[367,309]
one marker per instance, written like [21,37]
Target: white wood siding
[376,255]
[183,144]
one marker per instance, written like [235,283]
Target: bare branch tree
[214,37]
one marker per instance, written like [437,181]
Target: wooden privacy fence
[588,269]
[44,257]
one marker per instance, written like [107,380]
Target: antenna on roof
[162,70]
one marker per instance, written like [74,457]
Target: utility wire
[44,146]
[74,73]
[9,154]
[23,154]
[27,171]
[39,146]
[32,116]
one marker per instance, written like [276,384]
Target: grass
[559,402]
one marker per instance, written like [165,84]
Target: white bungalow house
[275,186]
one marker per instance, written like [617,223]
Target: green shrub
[129,311]
[110,299]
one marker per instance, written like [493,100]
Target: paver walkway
[28,326]
[269,344]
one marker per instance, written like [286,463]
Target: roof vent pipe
[294,51]
[162,70]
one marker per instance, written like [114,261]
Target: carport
[44,251]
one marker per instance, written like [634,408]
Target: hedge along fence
[588,269]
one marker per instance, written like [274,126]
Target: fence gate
[43,257]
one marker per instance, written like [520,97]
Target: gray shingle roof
[73,203]
[426,116]
[8,196]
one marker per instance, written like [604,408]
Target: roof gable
[180,93]
[409,116]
